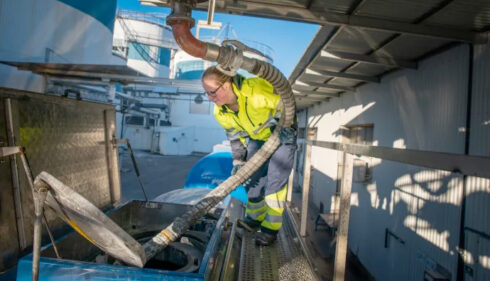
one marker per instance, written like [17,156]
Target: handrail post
[343,230]
[289,195]
[306,188]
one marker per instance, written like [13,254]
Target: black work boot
[249,224]
[265,238]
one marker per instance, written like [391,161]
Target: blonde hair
[221,78]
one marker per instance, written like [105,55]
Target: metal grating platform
[284,260]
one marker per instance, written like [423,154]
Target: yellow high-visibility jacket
[258,107]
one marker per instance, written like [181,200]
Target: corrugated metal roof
[464,14]
[409,47]
[335,6]
[369,69]
[332,64]
[348,40]
[360,40]
[399,10]
[383,50]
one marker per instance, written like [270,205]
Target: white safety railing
[457,163]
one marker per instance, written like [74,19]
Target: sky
[288,39]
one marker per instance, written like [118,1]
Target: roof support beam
[368,59]
[322,73]
[127,79]
[322,36]
[331,95]
[314,98]
[301,14]
[329,86]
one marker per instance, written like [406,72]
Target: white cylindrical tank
[145,41]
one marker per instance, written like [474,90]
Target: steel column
[15,176]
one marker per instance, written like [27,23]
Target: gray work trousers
[274,173]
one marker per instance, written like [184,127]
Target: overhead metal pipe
[230,58]
[211,7]
[185,39]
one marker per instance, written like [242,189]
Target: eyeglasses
[213,93]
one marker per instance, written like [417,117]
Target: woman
[248,109]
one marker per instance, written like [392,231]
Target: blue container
[62,270]
[76,250]
[212,170]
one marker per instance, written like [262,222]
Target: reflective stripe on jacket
[257,107]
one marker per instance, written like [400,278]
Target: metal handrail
[457,163]
[155,18]
[132,37]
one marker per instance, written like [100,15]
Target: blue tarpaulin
[212,170]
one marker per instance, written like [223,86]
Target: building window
[164,56]
[356,134]
[165,123]
[189,70]
[300,159]
[135,120]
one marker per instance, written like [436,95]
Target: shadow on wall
[317,186]
[404,221]
[407,219]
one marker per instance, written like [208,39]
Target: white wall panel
[477,213]
[176,140]
[139,137]
[207,131]
[480,119]
[205,138]
[477,255]
[421,109]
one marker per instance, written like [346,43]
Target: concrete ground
[159,173]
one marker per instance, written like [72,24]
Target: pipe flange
[177,19]
[181,11]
